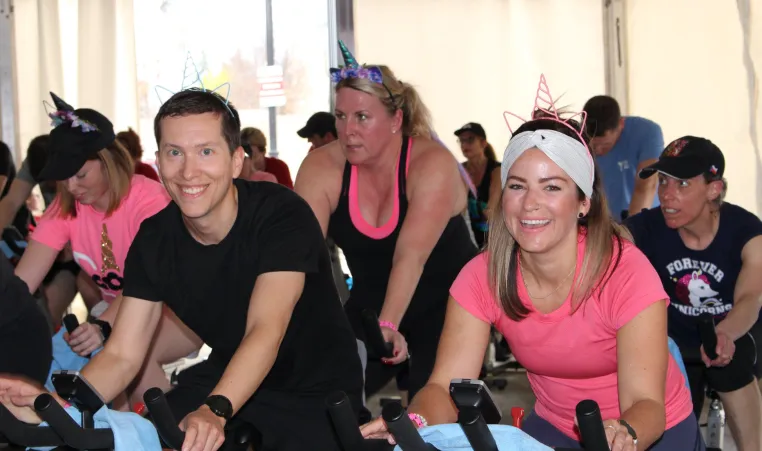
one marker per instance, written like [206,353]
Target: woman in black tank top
[391,198]
[484,169]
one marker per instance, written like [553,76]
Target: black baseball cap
[78,138]
[688,157]
[474,128]
[319,124]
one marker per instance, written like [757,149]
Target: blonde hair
[396,95]
[118,167]
[255,137]
[602,252]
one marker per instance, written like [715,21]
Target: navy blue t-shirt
[696,281]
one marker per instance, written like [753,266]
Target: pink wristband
[418,420]
[388,324]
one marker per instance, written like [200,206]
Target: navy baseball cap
[688,157]
[474,128]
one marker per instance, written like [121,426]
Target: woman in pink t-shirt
[581,308]
[99,208]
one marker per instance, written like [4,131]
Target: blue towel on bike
[675,351]
[131,431]
[450,437]
[64,358]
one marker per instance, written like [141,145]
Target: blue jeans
[684,436]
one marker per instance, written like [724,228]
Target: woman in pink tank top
[580,306]
[99,208]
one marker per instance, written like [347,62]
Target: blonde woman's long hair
[602,253]
[118,167]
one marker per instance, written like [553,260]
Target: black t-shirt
[14,294]
[696,281]
[209,286]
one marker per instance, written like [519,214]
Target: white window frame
[615,51]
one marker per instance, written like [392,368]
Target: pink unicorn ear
[505,117]
[582,119]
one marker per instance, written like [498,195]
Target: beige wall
[473,59]
[687,72]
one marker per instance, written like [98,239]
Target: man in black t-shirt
[244,265]
[708,254]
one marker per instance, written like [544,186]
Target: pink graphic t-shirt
[572,357]
[100,243]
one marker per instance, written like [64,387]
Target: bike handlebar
[373,336]
[708,335]
[347,430]
[71,433]
[401,427]
[163,419]
[24,434]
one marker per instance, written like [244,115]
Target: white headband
[569,154]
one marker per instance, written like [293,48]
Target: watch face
[220,406]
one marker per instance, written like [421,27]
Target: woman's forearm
[403,280]
[648,418]
[109,374]
[433,403]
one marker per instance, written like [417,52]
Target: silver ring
[611,426]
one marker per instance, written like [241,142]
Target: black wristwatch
[630,431]
[105,327]
[220,406]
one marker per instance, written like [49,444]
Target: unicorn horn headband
[572,156]
[192,80]
[352,69]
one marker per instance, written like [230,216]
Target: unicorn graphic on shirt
[698,288]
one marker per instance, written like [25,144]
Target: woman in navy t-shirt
[708,254]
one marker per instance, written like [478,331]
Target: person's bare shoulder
[322,171]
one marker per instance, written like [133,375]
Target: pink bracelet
[388,324]
[418,420]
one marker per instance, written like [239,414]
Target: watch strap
[630,431]
[104,325]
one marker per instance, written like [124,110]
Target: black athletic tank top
[370,258]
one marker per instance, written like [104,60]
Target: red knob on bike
[517,413]
[139,408]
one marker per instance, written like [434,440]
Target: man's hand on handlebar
[726,348]
[400,346]
[17,394]
[377,429]
[85,339]
[204,431]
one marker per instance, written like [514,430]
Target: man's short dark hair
[197,101]
[603,114]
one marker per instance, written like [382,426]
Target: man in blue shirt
[623,146]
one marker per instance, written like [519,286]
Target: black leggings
[422,334]
[26,344]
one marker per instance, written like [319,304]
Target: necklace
[523,279]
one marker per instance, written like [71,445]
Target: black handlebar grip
[476,430]
[68,429]
[163,419]
[71,323]
[373,336]
[24,434]
[402,428]
[591,426]
[708,335]
[344,421]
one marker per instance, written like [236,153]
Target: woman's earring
[581,215]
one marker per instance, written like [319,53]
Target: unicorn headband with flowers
[569,154]
[63,113]
[353,69]
[192,80]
